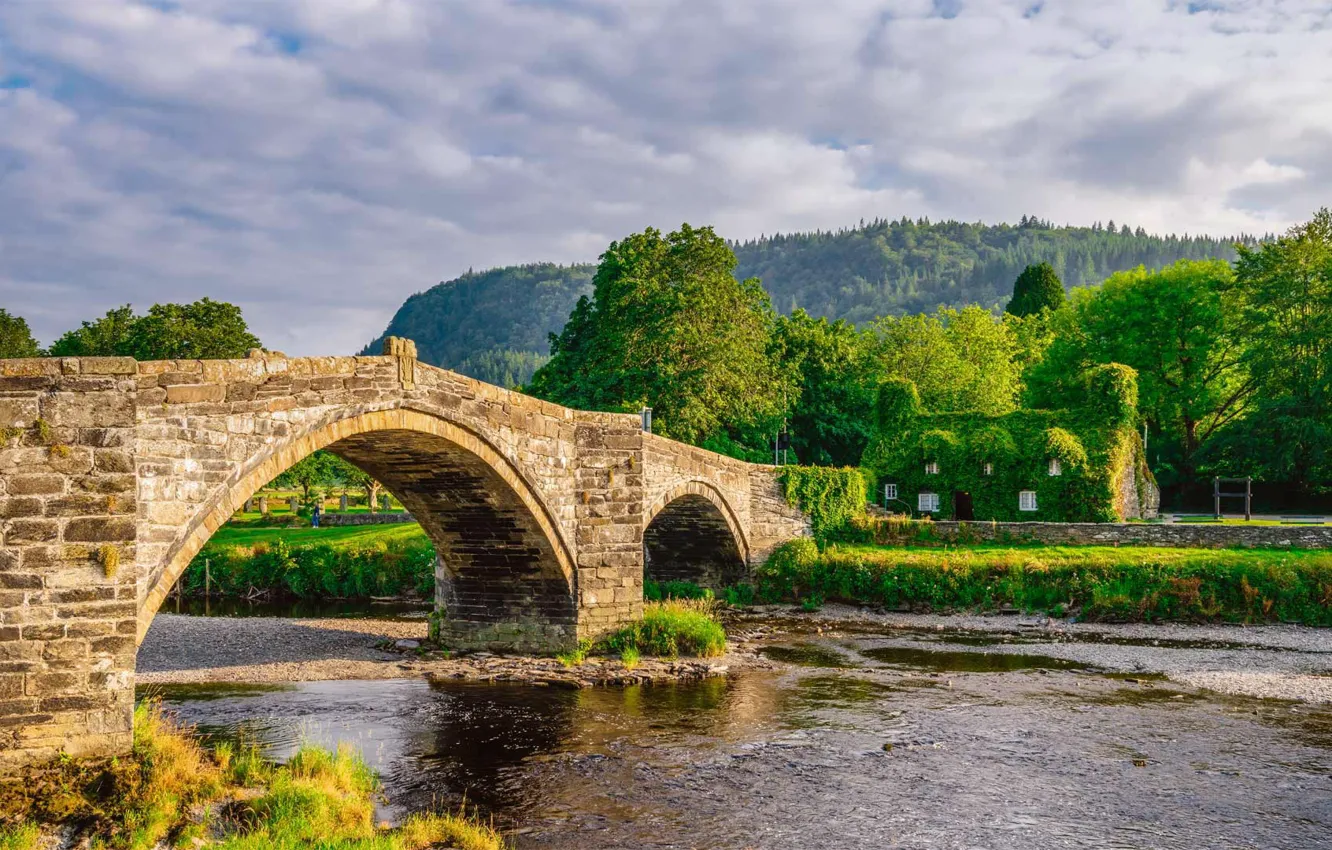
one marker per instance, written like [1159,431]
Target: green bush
[738,595]
[830,497]
[656,591]
[1103,583]
[670,629]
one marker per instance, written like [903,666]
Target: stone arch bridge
[113,474]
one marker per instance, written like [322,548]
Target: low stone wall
[366,519]
[1181,535]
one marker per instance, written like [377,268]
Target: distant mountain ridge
[494,325]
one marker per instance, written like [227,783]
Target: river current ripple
[852,746]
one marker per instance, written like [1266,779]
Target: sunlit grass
[1098,582]
[171,791]
[671,628]
[344,536]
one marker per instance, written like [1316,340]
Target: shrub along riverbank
[172,791]
[355,561]
[1094,582]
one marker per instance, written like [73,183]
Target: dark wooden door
[962,508]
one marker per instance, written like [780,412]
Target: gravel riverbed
[1271,661]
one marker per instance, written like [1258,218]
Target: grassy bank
[1095,582]
[355,561]
[172,790]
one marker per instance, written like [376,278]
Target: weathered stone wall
[113,474]
[390,518]
[1181,535]
[67,579]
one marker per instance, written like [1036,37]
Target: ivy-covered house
[1084,463]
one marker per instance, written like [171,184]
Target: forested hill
[493,325]
[896,267]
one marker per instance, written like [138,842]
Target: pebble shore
[1270,661]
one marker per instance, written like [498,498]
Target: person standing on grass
[315,512]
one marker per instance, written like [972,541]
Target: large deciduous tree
[1285,288]
[958,359]
[1178,327]
[669,326]
[205,329]
[15,337]
[1037,288]
[835,375]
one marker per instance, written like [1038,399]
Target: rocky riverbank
[1283,662]
[183,649]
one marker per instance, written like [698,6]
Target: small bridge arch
[692,534]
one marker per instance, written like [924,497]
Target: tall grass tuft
[171,791]
[21,837]
[671,629]
[656,591]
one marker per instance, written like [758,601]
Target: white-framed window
[927,503]
[988,469]
[932,467]
[889,491]
[1027,500]
[1056,468]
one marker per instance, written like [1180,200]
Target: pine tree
[1037,288]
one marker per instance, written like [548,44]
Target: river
[858,739]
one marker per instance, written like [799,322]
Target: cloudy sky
[316,161]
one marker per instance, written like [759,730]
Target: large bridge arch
[502,557]
[693,534]
[114,473]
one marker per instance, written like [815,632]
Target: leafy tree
[206,329]
[1178,328]
[670,327]
[109,336]
[15,338]
[315,469]
[324,469]
[1285,287]
[959,360]
[834,373]
[346,474]
[1037,288]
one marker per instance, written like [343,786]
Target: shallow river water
[856,744]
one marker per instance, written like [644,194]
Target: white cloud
[318,160]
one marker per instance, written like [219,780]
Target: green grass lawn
[344,537]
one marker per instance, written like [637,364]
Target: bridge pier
[113,475]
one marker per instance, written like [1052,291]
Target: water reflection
[816,759]
[968,662]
